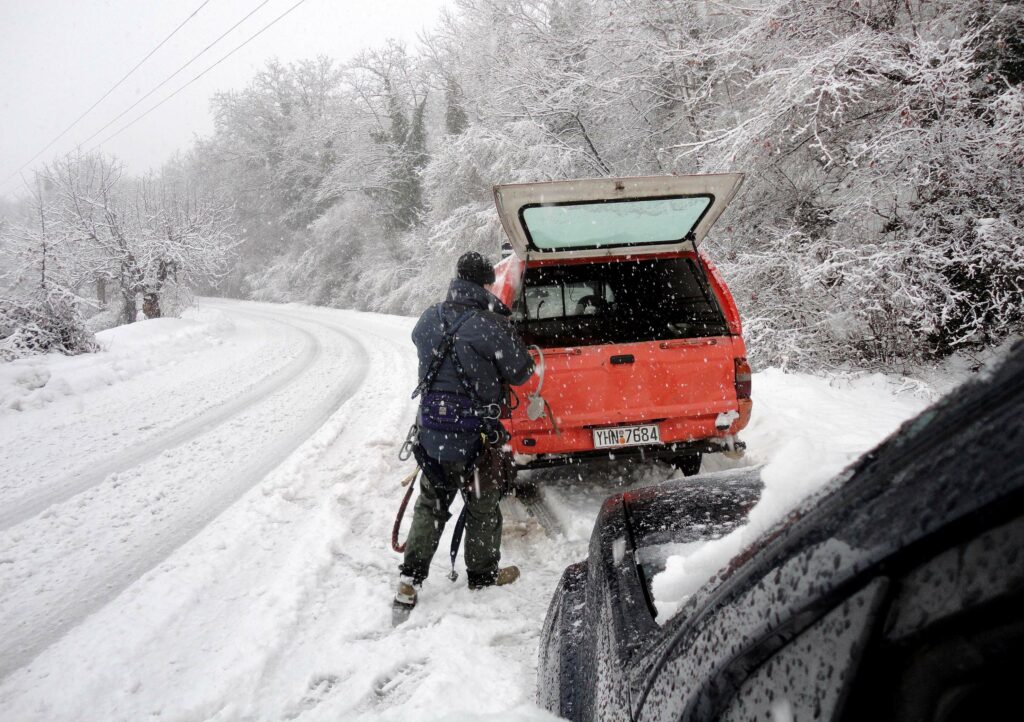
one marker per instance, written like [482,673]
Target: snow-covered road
[194,524]
[121,515]
[36,500]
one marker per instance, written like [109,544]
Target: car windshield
[649,221]
[616,302]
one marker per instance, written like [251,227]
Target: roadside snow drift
[805,430]
[34,382]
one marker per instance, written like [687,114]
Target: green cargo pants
[483,486]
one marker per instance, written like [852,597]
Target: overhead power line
[103,97]
[221,60]
[173,75]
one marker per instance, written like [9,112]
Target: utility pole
[42,225]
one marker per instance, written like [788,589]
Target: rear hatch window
[654,299]
[612,224]
[602,218]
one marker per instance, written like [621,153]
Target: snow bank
[805,429]
[127,351]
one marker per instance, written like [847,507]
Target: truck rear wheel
[688,464]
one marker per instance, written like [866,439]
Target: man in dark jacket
[463,382]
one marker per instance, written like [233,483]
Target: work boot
[505,575]
[405,600]
[406,594]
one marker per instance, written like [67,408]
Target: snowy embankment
[34,382]
[805,430]
[194,524]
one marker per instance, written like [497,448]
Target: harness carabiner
[495,435]
[410,440]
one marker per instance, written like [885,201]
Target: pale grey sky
[57,57]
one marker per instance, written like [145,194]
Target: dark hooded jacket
[491,353]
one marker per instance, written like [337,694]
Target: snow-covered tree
[881,219]
[87,225]
[41,310]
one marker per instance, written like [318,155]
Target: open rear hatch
[601,217]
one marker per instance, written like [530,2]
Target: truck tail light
[742,378]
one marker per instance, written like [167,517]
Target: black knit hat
[474,267]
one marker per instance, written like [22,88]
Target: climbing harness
[456,412]
[445,411]
[442,351]
[449,412]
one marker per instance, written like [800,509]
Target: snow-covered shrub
[882,218]
[47,322]
[103,319]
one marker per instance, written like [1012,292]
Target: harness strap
[489,412]
[460,526]
[460,371]
[443,350]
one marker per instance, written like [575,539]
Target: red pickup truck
[635,332]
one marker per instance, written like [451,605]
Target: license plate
[626,436]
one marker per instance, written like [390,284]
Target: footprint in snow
[397,686]
[319,687]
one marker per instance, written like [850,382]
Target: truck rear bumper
[644,453]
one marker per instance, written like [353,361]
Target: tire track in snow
[530,498]
[26,507]
[38,627]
